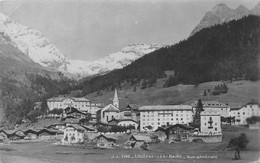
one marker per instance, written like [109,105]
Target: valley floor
[182,152]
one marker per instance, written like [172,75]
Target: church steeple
[115,100]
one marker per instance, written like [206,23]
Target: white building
[74,133]
[247,111]
[210,123]
[128,122]
[215,106]
[109,112]
[82,104]
[164,115]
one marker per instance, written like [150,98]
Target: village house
[105,141]
[244,112]
[127,123]
[74,133]
[73,112]
[137,141]
[164,115]
[50,134]
[82,104]
[109,112]
[12,135]
[210,123]
[179,132]
[131,111]
[31,134]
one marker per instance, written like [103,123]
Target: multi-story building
[164,115]
[244,112]
[214,106]
[210,123]
[82,104]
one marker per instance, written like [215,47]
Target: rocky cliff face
[222,13]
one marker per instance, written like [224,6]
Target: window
[158,123]
[216,129]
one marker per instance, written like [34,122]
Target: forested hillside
[23,82]
[223,52]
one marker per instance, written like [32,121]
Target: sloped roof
[141,138]
[133,106]
[77,127]
[110,108]
[72,120]
[165,107]
[123,120]
[183,126]
[108,137]
[76,99]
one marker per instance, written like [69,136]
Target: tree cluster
[220,89]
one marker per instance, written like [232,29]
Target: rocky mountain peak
[221,7]
[222,13]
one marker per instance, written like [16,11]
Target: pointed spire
[115,100]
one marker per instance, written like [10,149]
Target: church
[109,112]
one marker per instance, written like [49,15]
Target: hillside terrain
[239,93]
[221,13]
[223,52]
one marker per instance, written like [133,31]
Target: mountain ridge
[42,51]
[222,13]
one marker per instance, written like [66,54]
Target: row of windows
[166,119]
[173,111]
[166,115]
[162,123]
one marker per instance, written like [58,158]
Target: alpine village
[199,97]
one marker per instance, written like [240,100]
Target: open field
[239,93]
[178,152]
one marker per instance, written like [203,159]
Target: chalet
[73,112]
[105,141]
[12,135]
[31,134]
[140,138]
[127,123]
[50,134]
[18,134]
[130,112]
[179,132]
[161,135]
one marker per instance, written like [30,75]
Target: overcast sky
[90,29]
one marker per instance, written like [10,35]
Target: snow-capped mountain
[222,13]
[32,43]
[112,61]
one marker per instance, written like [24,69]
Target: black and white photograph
[129,81]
